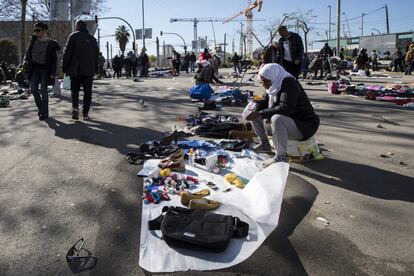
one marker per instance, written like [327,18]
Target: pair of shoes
[85,117]
[277,159]
[175,161]
[75,114]
[186,197]
[196,201]
[265,148]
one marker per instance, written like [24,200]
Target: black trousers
[292,68]
[75,84]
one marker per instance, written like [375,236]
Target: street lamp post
[330,18]
[185,45]
[143,25]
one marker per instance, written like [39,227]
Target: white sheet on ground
[258,204]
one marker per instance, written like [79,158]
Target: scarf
[276,74]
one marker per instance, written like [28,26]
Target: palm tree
[122,36]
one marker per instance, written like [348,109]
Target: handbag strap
[155,224]
[240,228]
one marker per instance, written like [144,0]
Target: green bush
[8,51]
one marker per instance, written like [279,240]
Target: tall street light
[330,18]
[338,25]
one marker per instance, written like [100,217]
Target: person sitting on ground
[205,73]
[287,107]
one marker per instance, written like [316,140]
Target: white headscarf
[203,63]
[276,74]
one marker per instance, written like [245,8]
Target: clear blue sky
[158,13]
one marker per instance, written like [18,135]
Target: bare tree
[302,21]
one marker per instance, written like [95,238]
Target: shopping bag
[249,109]
[201,91]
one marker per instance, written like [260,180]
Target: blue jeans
[39,76]
[409,68]
[192,66]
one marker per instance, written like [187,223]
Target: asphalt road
[62,180]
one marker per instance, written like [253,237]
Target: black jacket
[51,58]
[292,102]
[80,57]
[295,45]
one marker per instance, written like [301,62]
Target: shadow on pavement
[362,179]
[102,133]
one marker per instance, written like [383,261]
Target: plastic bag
[249,109]
[66,83]
[305,150]
[201,91]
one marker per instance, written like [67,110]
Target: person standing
[193,59]
[236,63]
[327,51]
[80,63]
[409,59]
[101,63]
[291,51]
[342,54]
[398,60]
[271,54]
[374,60]
[144,63]
[216,62]
[362,59]
[116,65]
[41,60]
[177,62]
[187,62]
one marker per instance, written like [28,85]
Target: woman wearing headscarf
[287,107]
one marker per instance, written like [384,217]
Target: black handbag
[198,230]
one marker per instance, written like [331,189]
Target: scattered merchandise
[236,180]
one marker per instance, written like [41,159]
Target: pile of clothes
[14,94]
[399,94]
[228,96]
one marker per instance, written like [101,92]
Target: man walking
[80,63]
[291,51]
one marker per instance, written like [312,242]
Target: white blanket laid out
[258,204]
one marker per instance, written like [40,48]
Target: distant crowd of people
[131,64]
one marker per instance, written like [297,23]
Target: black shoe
[42,118]
[75,114]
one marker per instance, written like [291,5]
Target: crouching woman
[287,107]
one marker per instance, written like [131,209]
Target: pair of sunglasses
[79,258]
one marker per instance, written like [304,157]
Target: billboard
[381,43]
[148,33]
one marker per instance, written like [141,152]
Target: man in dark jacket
[144,63]
[193,60]
[236,63]
[80,63]
[326,51]
[291,51]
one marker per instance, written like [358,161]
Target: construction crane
[249,18]
[208,19]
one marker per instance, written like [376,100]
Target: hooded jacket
[409,57]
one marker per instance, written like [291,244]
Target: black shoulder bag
[198,230]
